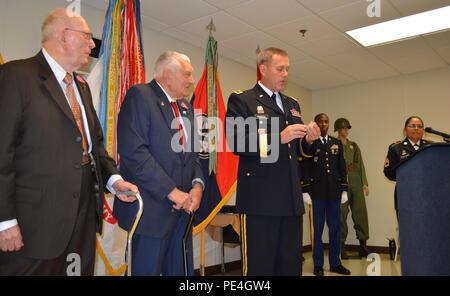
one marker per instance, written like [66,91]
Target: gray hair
[168,60]
[265,55]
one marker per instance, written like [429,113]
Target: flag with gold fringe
[120,66]
[1,59]
[218,162]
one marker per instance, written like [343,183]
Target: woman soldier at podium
[401,150]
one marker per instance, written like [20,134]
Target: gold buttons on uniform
[248,174]
[328,171]
[289,145]
[290,156]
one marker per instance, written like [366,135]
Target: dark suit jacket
[324,174]
[266,189]
[40,156]
[147,159]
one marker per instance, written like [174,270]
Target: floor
[358,267]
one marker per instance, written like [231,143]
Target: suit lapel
[263,98]
[165,107]
[53,87]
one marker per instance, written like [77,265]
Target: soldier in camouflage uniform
[357,187]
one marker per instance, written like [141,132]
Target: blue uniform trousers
[160,256]
[329,211]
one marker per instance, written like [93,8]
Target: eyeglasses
[87,36]
[415,126]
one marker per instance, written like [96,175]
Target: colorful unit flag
[120,66]
[218,162]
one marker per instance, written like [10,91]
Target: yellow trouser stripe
[311,224]
[244,243]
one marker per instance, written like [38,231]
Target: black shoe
[318,270]
[363,251]
[340,269]
[343,252]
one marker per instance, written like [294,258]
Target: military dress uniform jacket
[265,189]
[324,173]
[398,152]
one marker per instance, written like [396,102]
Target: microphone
[432,131]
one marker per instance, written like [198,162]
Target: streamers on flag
[121,60]
[218,162]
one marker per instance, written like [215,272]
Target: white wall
[377,111]
[20,22]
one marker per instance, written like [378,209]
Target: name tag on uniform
[262,143]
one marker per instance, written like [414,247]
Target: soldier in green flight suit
[357,187]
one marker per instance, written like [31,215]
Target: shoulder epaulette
[238,92]
[395,143]
[295,99]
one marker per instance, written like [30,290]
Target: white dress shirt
[270,93]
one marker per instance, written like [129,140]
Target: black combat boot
[343,252]
[363,251]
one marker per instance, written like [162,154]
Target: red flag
[219,163]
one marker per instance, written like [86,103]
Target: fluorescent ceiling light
[402,28]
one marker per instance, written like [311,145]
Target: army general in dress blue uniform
[269,196]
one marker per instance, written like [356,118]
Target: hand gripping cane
[133,228]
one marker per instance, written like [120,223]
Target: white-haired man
[155,143]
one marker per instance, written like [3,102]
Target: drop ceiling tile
[331,45]
[153,24]
[409,56]
[268,13]
[355,15]
[176,12]
[246,44]
[225,4]
[316,28]
[186,37]
[226,25]
[323,5]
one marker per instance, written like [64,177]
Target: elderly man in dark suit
[155,142]
[53,165]
[269,194]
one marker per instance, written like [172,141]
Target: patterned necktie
[76,110]
[180,127]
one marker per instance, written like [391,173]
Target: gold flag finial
[211,27]
[1,59]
